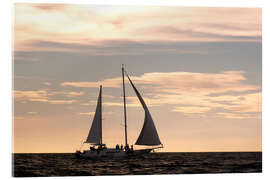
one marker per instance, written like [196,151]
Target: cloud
[198,34]
[181,82]
[87,113]
[49,7]
[23,118]
[191,109]
[72,94]
[32,78]
[32,113]
[44,96]
[234,115]
[61,101]
[248,103]
[71,24]
[47,83]
[236,26]
[141,31]
[125,47]
[190,92]
[104,48]
[113,82]
[233,93]
[118,22]
[39,95]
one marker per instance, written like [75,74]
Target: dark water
[26,165]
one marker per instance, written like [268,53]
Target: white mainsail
[148,135]
[95,133]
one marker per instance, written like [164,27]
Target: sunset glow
[198,70]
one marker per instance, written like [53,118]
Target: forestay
[148,135]
[95,133]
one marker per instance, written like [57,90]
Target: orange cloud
[190,92]
[248,103]
[49,7]
[73,94]
[113,82]
[40,95]
[191,109]
[31,112]
[22,118]
[44,96]
[87,113]
[61,101]
[232,115]
[181,82]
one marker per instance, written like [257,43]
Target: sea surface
[33,165]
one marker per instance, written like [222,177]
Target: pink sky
[196,108]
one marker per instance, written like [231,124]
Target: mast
[125,113]
[100,114]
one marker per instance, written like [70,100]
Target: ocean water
[33,165]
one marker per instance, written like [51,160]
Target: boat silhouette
[147,137]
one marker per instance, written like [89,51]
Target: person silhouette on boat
[117,146]
[127,147]
[92,148]
[121,146]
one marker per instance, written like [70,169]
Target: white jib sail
[95,136]
[148,135]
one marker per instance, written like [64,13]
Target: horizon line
[151,152]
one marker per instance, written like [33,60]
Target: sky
[199,71]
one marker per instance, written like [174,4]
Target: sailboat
[147,137]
